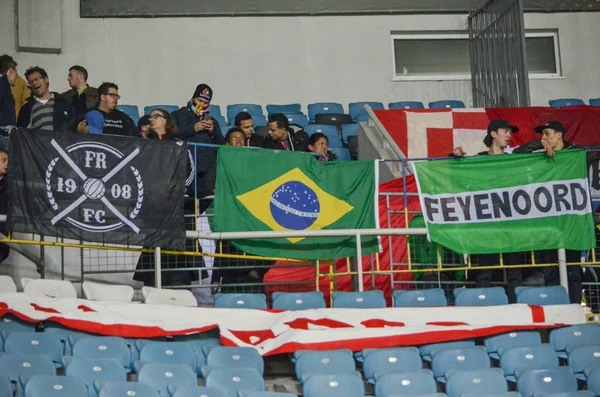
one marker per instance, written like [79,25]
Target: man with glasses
[115,121]
[45,110]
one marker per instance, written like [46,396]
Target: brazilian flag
[264,190]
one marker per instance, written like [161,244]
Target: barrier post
[562,269]
[359,268]
[157,268]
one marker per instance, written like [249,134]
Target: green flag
[511,203]
[264,190]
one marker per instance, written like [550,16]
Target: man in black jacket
[45,110]
[243,121]
[7,102]
[281,137]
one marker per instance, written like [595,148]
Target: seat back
[356,109]
[532,357]
[349,130]
[127,389]
[493,296]
[347,384]
[131,110]
[595,102]
[258,120]
[341,154]
[215,110]
[34,343]
[106,347]
[297,119]
[391,360]
[327,130]
[420,298]
[446,104]
[168,108]
[406,105]
[235,381]
[408,384]
[289,108]
[6,387]
[169,297]
[233,110]
[359,300]
[49,288]
[16,365]
[52,385]
[558,380]
[196,391]
[593,382]
[427,351]
[564,102]
[484,382]
[510,340]
[7,284]
[241,301]
[235,357]
[584,358]
[323,108]
[107,292]
[90,370]
[473,358]
[298,300]
[309,362]
[178,353]
[269,394]
[551,295]
[575,335]
[160,376]
[337,119]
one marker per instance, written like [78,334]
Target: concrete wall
[279,60]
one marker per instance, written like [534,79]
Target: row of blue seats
[355,109]
[552,295]
[564,102]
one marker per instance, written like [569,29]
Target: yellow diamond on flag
[294,202]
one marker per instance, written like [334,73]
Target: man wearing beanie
[196,125]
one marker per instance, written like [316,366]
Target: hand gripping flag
[260,190]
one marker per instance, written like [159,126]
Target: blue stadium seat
[427,351]
[35,343]
[557,380]
[52,385]
[515,360]
[341,154]
[564,102]
[298,300]
[358,108]
[512,339]
[289,108]
[595,102]
[579,393]
[6,387]
[235,357]
[593,382]
[215,110]
[222,124]
[16,365]
[103,347]
[178,353]
[584,359]
[420,298]
[233,110]
[348,384]
[197,345]
[241,301]
[309,362]
[493,296]
[349,130]
[406,384]
[406,105]
[168,108]
[482,382]
[363,117]
[359,300]
[552,295]
[90,370]
[446,104]
[444,362]
[127,389]
[235,381]
[376,362]
[131,110]
[327,130]
[269,394]
[196,391]
[323,108]
[565,339]
[297,119]
[13,324]
[160,376]
[259,120]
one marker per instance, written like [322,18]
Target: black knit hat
[203,91]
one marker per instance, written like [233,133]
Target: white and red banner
[274,332]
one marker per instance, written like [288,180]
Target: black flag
[99,188]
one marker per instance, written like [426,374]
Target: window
[445,56]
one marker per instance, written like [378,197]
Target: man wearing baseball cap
[553,134]
[498,137]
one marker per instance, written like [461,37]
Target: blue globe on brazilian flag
[262,190]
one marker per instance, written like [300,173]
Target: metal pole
[359,268]
[157,268]
[562,269]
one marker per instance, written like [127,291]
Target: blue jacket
[206,157]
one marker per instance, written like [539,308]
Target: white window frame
[465,36]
